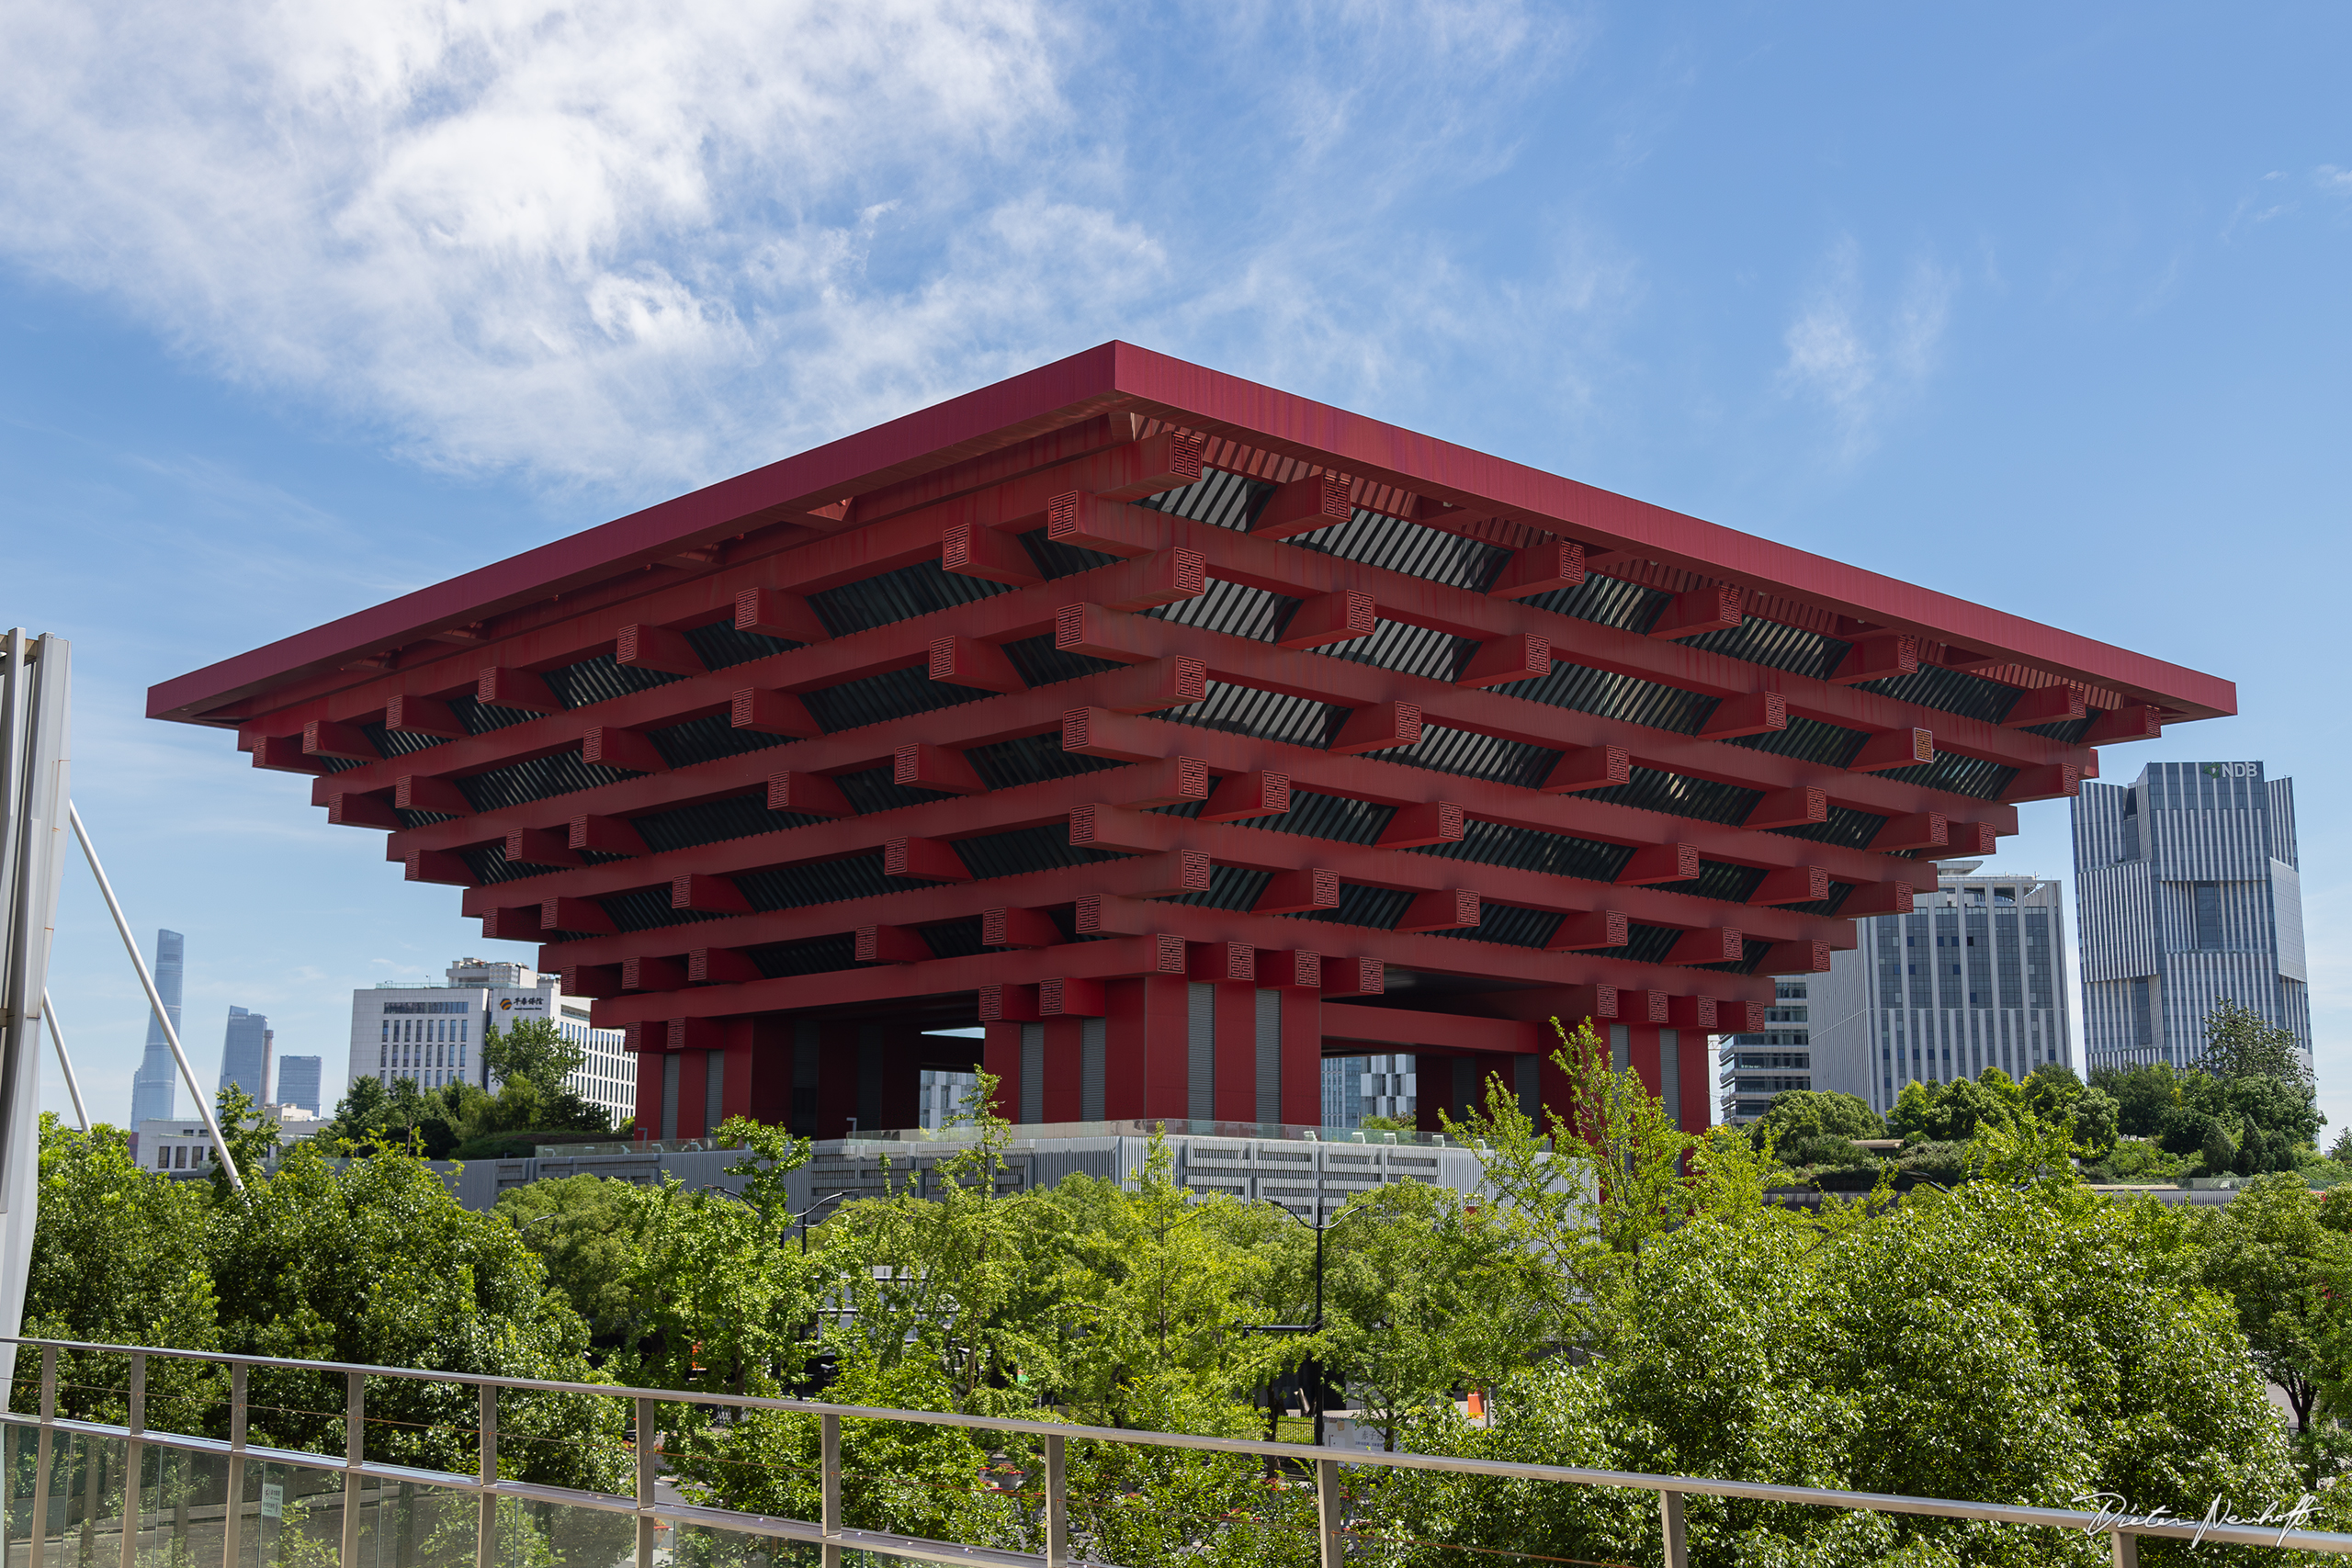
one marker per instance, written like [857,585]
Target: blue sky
[302,307]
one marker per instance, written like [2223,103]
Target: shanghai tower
[151,1092]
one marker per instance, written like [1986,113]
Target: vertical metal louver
[878,789]
[1679,795]
[1200,1050]
[1334,817]
[1508,925]
[1844,826]
[819,881]
[1094,1068]
[1270,1056]
[536,778]
[1379,908]
[1033,1072]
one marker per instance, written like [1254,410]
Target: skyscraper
[1972,978]
[244,1054]
[152,1091]
[2191,894]
[298,1081]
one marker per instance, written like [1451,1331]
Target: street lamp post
[1312,1368]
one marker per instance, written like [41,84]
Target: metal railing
[828,1533]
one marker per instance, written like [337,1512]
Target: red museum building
[1182,732]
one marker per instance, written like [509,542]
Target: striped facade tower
[2190,896]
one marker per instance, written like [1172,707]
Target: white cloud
[1863,364]
[627,248]
[519,231]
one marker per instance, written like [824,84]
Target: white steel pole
[155,999]
[57,1038]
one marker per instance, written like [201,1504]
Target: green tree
[2143,1096]
[252,1137]
[2240,1043]
[1814,1113]
[374,1261]
[588,1233]
[117,1258]
[2268,1251]
[2019,1342]
[532,1049]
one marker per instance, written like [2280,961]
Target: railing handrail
[2332,1542]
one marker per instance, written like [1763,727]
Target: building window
[2209,915]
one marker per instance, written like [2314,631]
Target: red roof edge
[1211,400]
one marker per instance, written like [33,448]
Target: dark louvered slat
[953,939]
[1612,695]
[1040,663]
[715,821]
[1776,645]
[399,743]
[1606,600]
[1844,826]
[1054,559]
[1232,608]
[877,699]
[1970,776]
[596,680]
[538,778]
[820,882]
[1333,816]
[1679,795]
[1378,539]
[813,955]
[1032,759]
[1511,926]
[1218,498]
[1412,651]
[1525,849]
[720,646]
[708,738]
[1245,710]
[1810,740]
[1476,756]
[878,789]
[899,596]
[1953,691]
[1380,908]
[1025,850]
[1230,887]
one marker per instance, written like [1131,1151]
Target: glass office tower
[2190,894]
[152,1087]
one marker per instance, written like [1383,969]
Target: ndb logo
[2232,770]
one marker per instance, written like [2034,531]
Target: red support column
[1144,1054]
[1642,1047]
[1237,1053]
[694,1080]
[1001,1056]
[901,1078]
[1302,1058]
[1065,1069]
[836,1077]
[1698,1081]
[649,1094]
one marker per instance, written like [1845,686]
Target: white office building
[431,1035]
[1974,977]
[2191,895]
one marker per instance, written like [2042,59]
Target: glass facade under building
[1972,978]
